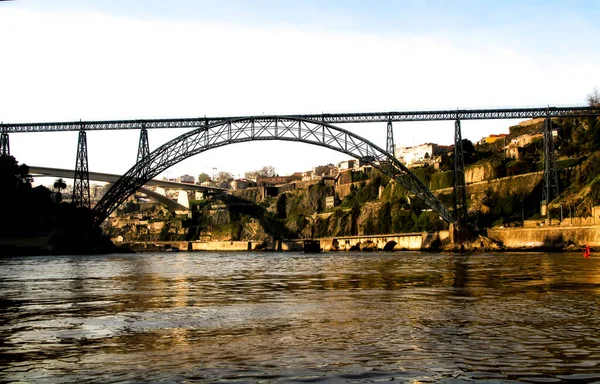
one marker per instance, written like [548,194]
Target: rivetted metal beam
[244,130]
[326,118]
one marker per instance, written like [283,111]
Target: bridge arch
[240,130]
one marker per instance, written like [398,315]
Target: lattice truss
[264,128]
[331,118]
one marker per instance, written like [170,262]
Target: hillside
[501,190]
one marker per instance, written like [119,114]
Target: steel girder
[330,118]
[249,129]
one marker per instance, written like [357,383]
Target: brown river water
[295,318]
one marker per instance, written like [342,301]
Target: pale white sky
[102,60]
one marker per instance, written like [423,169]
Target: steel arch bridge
[238,130]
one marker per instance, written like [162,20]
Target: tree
[468,146]
[12,175]
[203,177]
[224,178]
[59,185]
[266,171]
[15,205]
[593,98]
[468,152]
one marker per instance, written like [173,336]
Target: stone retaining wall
[558,236]
[396,242]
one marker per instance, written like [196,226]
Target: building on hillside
[307,176]
[513,149]
[296,176]
[525,139]
[96,192]
[329,202]
[420,155]
[263,181]
[321,171]
[187,179]
[347,164]
[492,138]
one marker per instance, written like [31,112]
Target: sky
[70,60]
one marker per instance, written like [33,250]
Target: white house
[421,154]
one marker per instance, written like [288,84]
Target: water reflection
[298,318]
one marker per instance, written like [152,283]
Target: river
[295,318]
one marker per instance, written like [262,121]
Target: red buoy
[586,253]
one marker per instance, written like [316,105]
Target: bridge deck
[329,118]
[111,178]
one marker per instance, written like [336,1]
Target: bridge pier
[4,142]
[81,183]
[143,146]
[390,139]
[550,189]
[460,190]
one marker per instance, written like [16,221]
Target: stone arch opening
[389,246]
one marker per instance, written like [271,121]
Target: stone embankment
[547,238]
[557,238]
[391,242]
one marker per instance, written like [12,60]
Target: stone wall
[343,190]
[475,174]
[557,236]
[396,242]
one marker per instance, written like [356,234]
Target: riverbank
[546,239]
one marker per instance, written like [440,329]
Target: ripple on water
[300,318]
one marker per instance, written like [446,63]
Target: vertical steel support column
[4,142]
[390,139]
[81,184]
[460,190]
[550,189]
[143,146]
